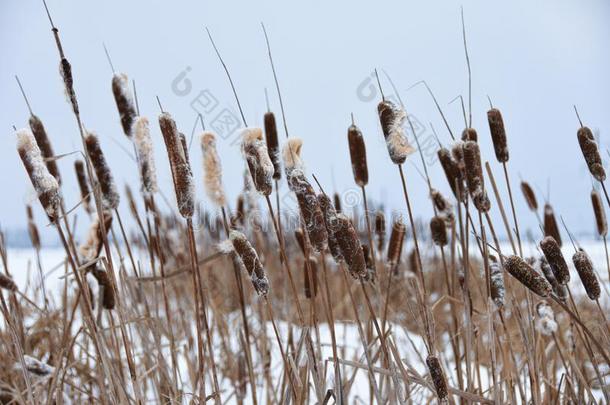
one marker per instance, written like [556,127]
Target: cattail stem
[200,289]
[242,304]
[512,207]
[492,180]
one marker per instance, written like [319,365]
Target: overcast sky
[534,59]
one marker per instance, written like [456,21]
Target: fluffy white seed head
[212,169]
[145,155]
[545,321]
[291,153]
[44,183]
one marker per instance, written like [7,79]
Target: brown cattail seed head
[526,274]
[350,247]
[124,101]
[357,153]
[259,162]
[497,290]
[550,224]
[106,289]
[546,269]
[391,118]
[65,69]
[181,170]
[469,134]
[144,151]
[32,228]
[530,196]
[380,230]
[250,260]
[498,134]
[600,214]
[83,185]
[438,378]
[589,149]
[370,263]
[396,240]
[552,253]
[291,153]
[474,176]
[453,173]
[584,267]
[311,213]
[44,183]
[438,230]
[7,283]
[330,218]
[310,275]
[44,144]
[212,169]
[337,202]
[273,146]
[110,195]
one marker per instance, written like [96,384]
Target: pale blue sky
[535,59]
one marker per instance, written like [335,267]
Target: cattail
[106,288]
[65,69]
[550,224]
[250,260]
[357,153]
[44,183]
[548,273]
[589,149]
[414,262]
[350,247]
[526,274]
[552,253]
[259,163]
[380,229]
[498,134]
[7,283]
[273,146]
[470,134]
[530,196]
[146,159]
[453,173]
[110,195]
[497,289]
[212,169]
[181,171]
[310,291]
[391,118]
[44,144]
[330,218]
[337,202]
[124,101]
[474,176]
[369,262]
[32,228]
[83,185]
[438,378]
[92,247]
[311,213]
[291,154]
[438,230]
[600,214]
[396,240]
[545,321]
[439,201]
[239,216]
[584,267]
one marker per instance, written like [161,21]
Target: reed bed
[304,304]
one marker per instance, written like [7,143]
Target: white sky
[535,59]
